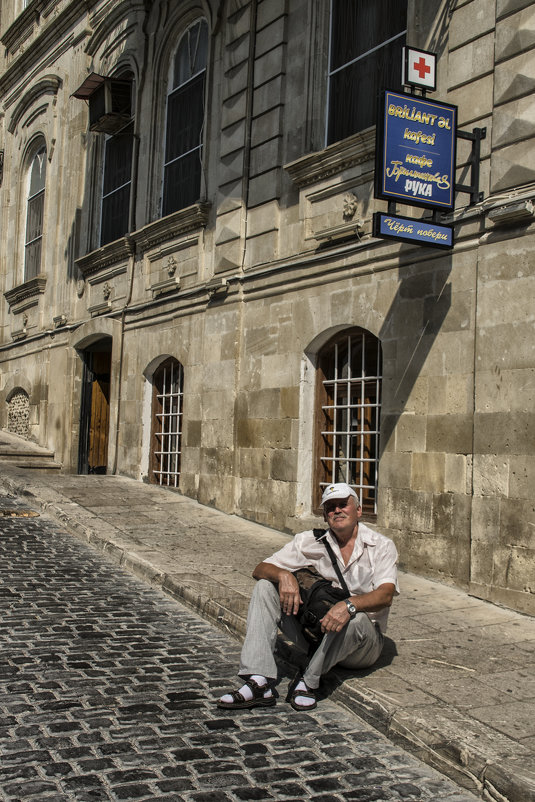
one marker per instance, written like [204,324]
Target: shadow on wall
[411,325]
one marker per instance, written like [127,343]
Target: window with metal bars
[365,57]
[166,436]
[349,403]
[34,215]
[185,120]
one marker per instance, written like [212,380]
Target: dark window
[365,56]
[167,424]
[117,182]
[349,403]
[117,178]
[185,121]
[34,215]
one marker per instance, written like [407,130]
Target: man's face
[342,513]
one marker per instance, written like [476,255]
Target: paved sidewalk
[456,683]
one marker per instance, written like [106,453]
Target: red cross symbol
[421,67]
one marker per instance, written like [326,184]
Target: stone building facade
[192,293]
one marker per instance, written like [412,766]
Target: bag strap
[321,534]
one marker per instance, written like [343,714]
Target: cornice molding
[109,254]
[29,289]
[173,225]
[317,166]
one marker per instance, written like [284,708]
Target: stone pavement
[108,689]
[456,683]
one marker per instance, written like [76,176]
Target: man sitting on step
[353,629]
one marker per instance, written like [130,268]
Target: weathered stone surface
[470,21]
[451,434]
[473,60]
[475,101]
[513,121]
[512,165]
[515,34]
[427,472]
[514,78]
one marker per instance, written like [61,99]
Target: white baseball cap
[339,490]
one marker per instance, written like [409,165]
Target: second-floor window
[117,183]
[34,214]
[365,56]
[185,120]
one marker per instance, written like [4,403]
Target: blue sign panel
[407,229]
[415,156]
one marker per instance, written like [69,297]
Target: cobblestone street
[107,692]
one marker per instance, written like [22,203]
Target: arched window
[117,178]
[166,436]
[365,57]
[348,413]
[18,413]
[185,120]
[34,213]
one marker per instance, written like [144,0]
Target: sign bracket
[472,189]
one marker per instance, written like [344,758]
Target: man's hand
[286,582]
[336,618]
[289,593]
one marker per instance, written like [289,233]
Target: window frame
[159,414]
[345,66]
[369,412]
[126,131]
[175,91]
[38,147]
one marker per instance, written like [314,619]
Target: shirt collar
[365,537]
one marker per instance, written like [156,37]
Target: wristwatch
[351,609]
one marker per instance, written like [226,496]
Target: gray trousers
[358,645]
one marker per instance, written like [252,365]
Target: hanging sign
[415,153]
[410,229]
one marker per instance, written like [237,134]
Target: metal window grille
[365,56]
[350,408]
[167,424]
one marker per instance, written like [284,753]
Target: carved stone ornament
[80,287]
[350,205]
[171,266]
[106,290]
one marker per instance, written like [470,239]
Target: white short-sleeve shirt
[373,562]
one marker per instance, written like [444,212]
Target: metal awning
[90,85]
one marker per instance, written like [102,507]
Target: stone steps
[25,454]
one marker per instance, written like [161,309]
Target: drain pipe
[238,351]
[131,262]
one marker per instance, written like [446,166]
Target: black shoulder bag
[318,594]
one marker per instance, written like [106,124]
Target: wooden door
[95,412]
[99,423]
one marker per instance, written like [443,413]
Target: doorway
[95,408]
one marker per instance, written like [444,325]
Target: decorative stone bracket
[26,295]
